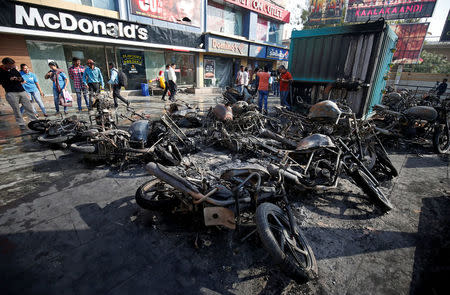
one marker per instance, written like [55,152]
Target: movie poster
[325,12]
[133,65]
[410,42]
[445,36]
[210,69]
[363,10]
[169,10]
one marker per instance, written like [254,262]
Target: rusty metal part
[315,141]
[219,216]
[326,109]
[223,113]
[229,174]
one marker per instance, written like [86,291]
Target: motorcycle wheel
[83,147]
[156,195]
[38,125]
[384,161]
[370,189]
[294,255]
[57,139]
[441,139]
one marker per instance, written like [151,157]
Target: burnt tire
[38,125]
[384,160]
[156,195]
[83,147]
[302,268]
[371,189]
[441,139]
[54,139]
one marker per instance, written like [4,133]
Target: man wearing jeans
[33,89]
[11,80]
[285,79]
[93,79]
[263,88]
[240,80]
[114,81]
[76,72]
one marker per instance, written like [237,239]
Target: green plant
[432,63]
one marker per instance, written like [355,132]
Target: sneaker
[45,115]
[57,113]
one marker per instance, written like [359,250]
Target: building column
[200,70]
[123,9]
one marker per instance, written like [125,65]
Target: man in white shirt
[240,80]
[172,82]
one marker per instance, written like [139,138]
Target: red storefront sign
[265,8]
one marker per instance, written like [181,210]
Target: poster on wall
[133,65]
[325,12]
[363,10]
[410,42]
[185,12]
[210,69]
[445,36]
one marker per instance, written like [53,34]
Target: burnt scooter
[221,202]
[417,122]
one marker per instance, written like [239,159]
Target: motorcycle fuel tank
[422,113]
[315,141]
[139,131]
[326,109]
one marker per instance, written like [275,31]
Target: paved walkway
[68,227]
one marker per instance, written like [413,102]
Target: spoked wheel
[441,139]
[288,248]
[156,195]
[370,188]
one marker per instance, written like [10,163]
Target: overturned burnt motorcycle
[417,122]
[60,130]
[222,202]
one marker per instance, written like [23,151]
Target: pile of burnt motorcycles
[287,153]
[404,116]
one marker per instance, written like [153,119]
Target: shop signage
[171,11]
[445,36]
[277,53]
[34,20]
[265,8]
[257,51]
[325,12]
[133,65]
[410,42]
[210,68]
[221,45]
[363,10]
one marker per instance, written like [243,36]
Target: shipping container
[346,62]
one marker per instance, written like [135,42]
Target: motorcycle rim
[156,195]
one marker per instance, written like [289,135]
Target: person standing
[166,82]
[263,88]
[441,88]
[76,72]
[276,84]
[285,79]
[93,80]
[240,79]
[11,81]
[114,82]
[31,86]
[172,82]
[59,83]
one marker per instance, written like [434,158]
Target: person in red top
[285,79]
[263,88]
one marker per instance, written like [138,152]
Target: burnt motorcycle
[221,203]
[60,130]
[417,122]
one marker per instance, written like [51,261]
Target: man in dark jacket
[16,95]
[442,88]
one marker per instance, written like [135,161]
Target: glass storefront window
[105,4]
[223,19]
[275,33]
[262,27]
[185,70]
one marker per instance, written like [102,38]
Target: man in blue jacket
[93,79]
[114,81]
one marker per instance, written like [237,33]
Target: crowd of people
[22,87]
[265,81]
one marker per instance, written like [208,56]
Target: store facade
[140,50]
